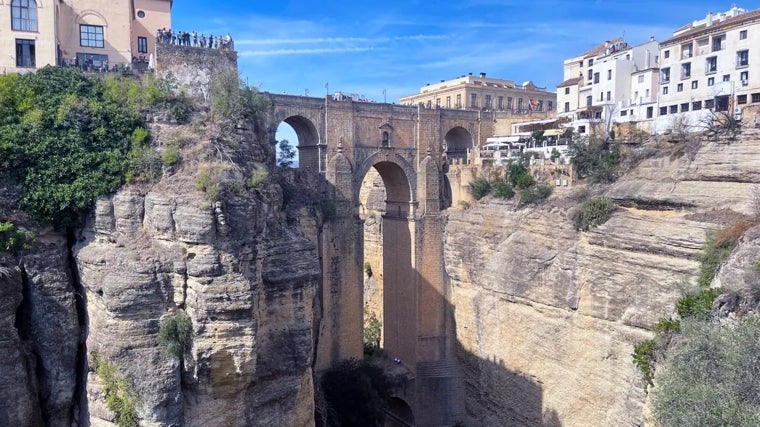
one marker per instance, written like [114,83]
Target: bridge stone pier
[339,141]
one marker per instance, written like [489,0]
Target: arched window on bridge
[385,134]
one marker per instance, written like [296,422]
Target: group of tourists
[192,39]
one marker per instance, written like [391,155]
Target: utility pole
[385,98]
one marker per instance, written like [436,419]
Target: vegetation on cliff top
[517,176]
[66,139]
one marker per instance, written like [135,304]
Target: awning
[553,132]
[502,139]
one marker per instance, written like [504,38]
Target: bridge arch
[399,177]
[308,141]
[458,142]
[398,413]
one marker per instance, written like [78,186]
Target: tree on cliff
[285,153]
[355,392]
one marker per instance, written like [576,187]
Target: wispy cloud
[313,51]
[312,40]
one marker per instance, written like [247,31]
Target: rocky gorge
[546,316]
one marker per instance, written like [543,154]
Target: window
[540,105]
[91,36]
[448,102]
[142,44]
[609,96]
[756,97]
[550,105]
[25,53]
[709,103]
[711,65]
[589,101]
[710,81]
[686,70]
[741,99]
[438,102]
[641,78]
[663,111]
[742,58]
[23,15]
[596,77]
[519,104]
[664,90]
[679,87]
[591,62]
[744,77]
[696,105]
[666,54]
[509,103]
[694,84]
[665,75]
[459,101]
[473,100]
[726,77]
[647,93]
[609,74]
[141,14]
[684,107]
[567,91]
[386,142]
[581,129]
[501,103]
[687,51]
[590,74]
[717,43]
[742,34]
[636,95]
[673,109]
[567,107]
[623,113]
[650,112]
[488,101]
[601,96]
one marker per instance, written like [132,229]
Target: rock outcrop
[245,279]
[547,316]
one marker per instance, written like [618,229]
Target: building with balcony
[92,33]
[712,64]
[611,83]
[483,93]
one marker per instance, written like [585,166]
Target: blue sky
[400,45]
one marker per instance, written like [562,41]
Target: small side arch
[399,413]
[459,143]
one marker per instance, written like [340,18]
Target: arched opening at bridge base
[387,212]
[304,138]
[458,145]
[398,413]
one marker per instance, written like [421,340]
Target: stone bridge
[339,142]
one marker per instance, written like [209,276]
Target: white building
[712,64]
[611,83]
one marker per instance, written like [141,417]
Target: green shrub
[355,393]
[517,172]
[170,156]
[595,159]
[712,377]
[718,247]
[65,140]
[480,188]
[232,98]
[643,358]
[502,189]
[373,330]
[593,213]
[667,326]
[207,180]
[535,194]
[525,181]
[13,238]
[176,333]
[697,306]
[257,178]
[120,398]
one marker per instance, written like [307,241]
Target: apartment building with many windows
[483,93]
[92,33]
[611,83]
[712,64]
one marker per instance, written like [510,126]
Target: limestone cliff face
[246,281]
[547,316]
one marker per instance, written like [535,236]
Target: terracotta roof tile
[570,82]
